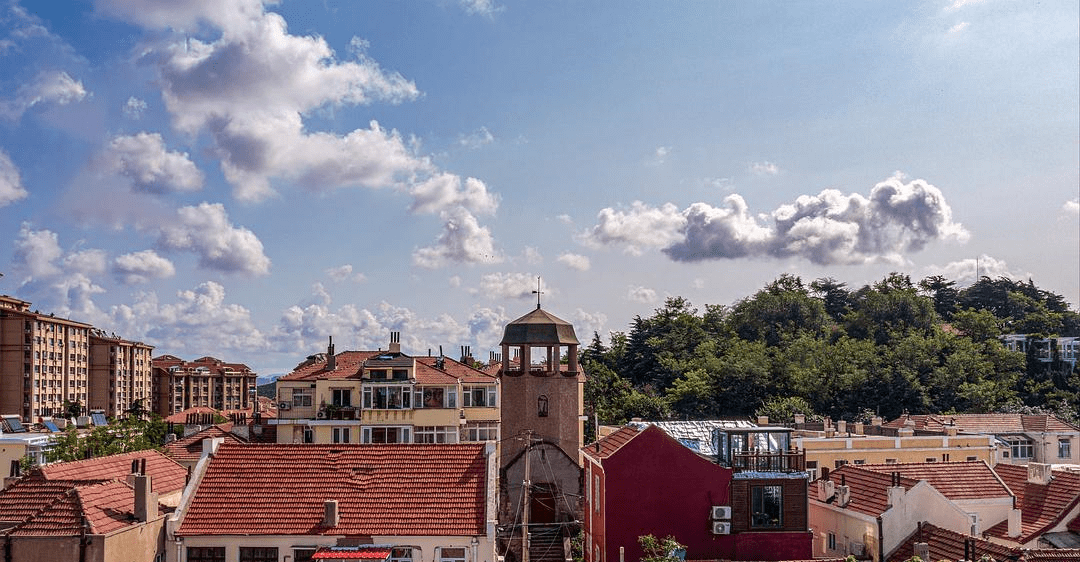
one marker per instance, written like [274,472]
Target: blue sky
[228,178]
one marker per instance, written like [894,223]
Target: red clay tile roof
[425,367]
[347,365]
[104,506]
[29,495]
[869,488]
[610,443]
[280,489]
[1052,555]
[189,448]
[1042,506]
[167,475]
[986,423]
[351,553]
[966,480]
[948,545]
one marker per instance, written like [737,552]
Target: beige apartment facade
[120,373]
[852,448]
[207,382]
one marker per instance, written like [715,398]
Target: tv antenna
[538,292]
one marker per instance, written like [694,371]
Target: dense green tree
[122,435]
[942,293]
[834,295]
[782,409]
[890,308]
[779,312]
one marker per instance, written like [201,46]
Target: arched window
[542,406]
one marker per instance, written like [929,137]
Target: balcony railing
[769,461]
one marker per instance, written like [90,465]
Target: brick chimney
[395,342]
[1039,473]
[146,500]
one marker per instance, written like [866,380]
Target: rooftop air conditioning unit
[721,512]
[721,527]
[321,415]
[284,405]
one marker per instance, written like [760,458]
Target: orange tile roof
[29,495]
[869,489]
[964,480]
[425,366]
[947,545]
[1042,506]
[190,448]
[280,489]
[610,443]
[986,423]
[348,364]
[104,506]
[167,475]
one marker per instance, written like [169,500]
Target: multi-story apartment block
[119,374]
[205,382]
[44,361]
[386,397]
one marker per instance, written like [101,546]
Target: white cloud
[533,256]
[454,281]
[476,139]
[487,8]
[463,240]
[641,294]
[57,282]
[142,267]
[143,159]
[698,283]
[586,323]
[574,261]
[565,219]
[764,168]
[11,187]
[205,230]
[88,262]
[47,87]
[964,271]
[659,155]
[1072,207]
[957,4]
[497,286]
[444,191]
[134,108]
[36,252]
[958,27]
[637,228]
[829,228]
[345,273]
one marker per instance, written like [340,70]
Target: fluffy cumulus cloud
[11,187]
[343,273]
[446,191]
[486,8]
[508,286]
[248,83]
[586,323]
[206,231]
[641,294]
[764,168]
[55,87]
[574,261]
[141,267]
[151,168]
[967,271]
[897,218]
[463,240]
[56,280]
[36,252]
[199,319]
[1070,207]
[134,108]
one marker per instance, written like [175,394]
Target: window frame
[759,496]
[205,554]
[258,554]
[444,558]
[435,434]
[1064,448]
[404,434]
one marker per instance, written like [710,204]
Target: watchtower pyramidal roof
[539,327]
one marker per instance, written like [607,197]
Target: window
[430,397]
[303,554]
[839,462]
[436,434]
[1021,447]
[342,397]
[596,493]
[931,459]
[479,396]
[258,554]
[1064,448]
[390,434]
[301,397]
[830,541]
[341,434]
[309,435]
[860,461]
[482,431]
[387,397]
[972,458]
[452,555]
[399,554]
[766,506]
[206,554]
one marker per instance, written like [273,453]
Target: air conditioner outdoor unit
[321,415]
[721,512]
[284,405]
[721,528]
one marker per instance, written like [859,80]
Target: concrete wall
[877,449]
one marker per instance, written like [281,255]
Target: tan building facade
[208,382]
[119,374]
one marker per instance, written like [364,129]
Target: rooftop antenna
[538,292]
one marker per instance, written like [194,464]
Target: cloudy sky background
[228,178]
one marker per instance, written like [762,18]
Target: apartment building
[44,361]
[386,397]
[1018,438]
[207,382]
[119,374]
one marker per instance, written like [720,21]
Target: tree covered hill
[827,349]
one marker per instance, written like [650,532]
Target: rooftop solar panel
[99,419]
[51,426]
[13,425]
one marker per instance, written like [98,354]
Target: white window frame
[487,391]
[1064,448]
[404,392]
[443,557]
[435,434]
[401,554]
[480,431]
[302,397]
[404,432]
[340,434]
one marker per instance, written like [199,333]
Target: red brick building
[642,481]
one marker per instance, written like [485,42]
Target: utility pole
[526,485]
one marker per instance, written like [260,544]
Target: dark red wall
[656,485]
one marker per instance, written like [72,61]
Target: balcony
[341,413]
[769,461]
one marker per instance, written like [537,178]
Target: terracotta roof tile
[610,443]
[29,495]
[189,449]
[348,365]
[425,366]
[869,489]
[965,480]
[948,545]
[167,475]
[986,423]
[280,489]
[1042,506]
[105,507]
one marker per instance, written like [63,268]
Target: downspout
[7,547]
[880,541]
[82,540]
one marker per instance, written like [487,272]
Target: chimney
[896,491]
[876,421]
[1014,523]
[330,513]
[800,419]
[950,429]
[826,490]
[841,427]
[905,432]
[922,550]
[395,342]
[331,359]
[145,499]
[1039,473]
[763,420]
[843,495]
[466,355]
[860,429]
